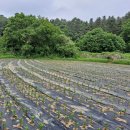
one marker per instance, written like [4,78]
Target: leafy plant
[41,126]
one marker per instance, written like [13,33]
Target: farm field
[63,95]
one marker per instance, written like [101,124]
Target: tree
[119,22]
[74,28]
[66,47]
[3,21]
[28,35]
[126,34]
[91,24]
[13,33]
[62,23]
[111,24]
[103,23]
[99,41]
[127,16]
[98,22]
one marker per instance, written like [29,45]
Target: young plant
[32,119]
[1,115]
[26,127]
[71,116]
[21,122]
[65,107]
[91,120]
[4,126]
[14,114]
[84,124]
[58,114]
[76,125]
[106,126]
[25,111]
[41,126]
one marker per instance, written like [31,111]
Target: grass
[7,55]
[122,61]
[123,58]
[126,55]
[105,57]
[98,60]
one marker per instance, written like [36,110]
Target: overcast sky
[83,9]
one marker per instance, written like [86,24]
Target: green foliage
[2,48]
[111,25]
[76,27]
[31,36]
[65,47]
[26,50]
[99,41]
[3,21]
[14,31]
[127,47]
[126,34]
[28,35]
[126,31]
[62,23]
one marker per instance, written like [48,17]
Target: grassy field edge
[100,60]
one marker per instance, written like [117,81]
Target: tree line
[76,27]
[29,35]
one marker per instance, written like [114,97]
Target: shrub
[66,47]
[99,41]
[68,50]
[28,35]
[2,48]
[26,50]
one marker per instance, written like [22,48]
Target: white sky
[68,9]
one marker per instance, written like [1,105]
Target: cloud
[67,9]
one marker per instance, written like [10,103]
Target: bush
[2,48]
[99,41]
[126,31]
[26,50]
[66,47]
[68,50]
[28,35]
[127,47]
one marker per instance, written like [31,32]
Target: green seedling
[84,124]
[14,114]
[1,115]
[4,126]
[91,120]
[21,122]
[71,116]
[26,127]
[25,111]
[32,119]
[76,125]
[41,126]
